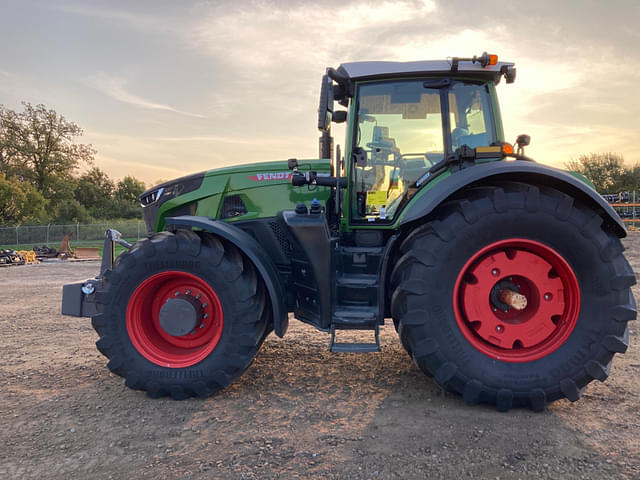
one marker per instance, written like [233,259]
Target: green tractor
[505,279]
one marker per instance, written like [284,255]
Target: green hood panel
[264,188]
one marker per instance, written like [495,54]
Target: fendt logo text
[260,177]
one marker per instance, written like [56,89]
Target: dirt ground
[298,412]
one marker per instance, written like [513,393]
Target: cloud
[258,64]
[114,87]
[135,15]
[263,39]
[151,157]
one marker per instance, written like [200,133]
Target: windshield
[400,127]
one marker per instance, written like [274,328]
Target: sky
[167,88]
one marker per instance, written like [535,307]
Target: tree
[8,140]
[94,191]
[72,211]
[37,145]
[12,199]
[20,203]
[126,197]
[606,171]
[129,189]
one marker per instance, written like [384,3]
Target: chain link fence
[52,235]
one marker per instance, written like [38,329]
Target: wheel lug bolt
[202,325]
[547,296]
[499,328]
[177,293]
[205,315]
[188,292]
[495,272]
[204,305]
[197,296]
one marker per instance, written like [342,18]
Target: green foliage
[607,172]
[11,200]
[72,212]
[129,189]
[126,197]
[94,191]
[19,201]
[38,145]
[39,158]
[35,206]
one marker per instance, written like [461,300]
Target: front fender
[248,246]
[429,199]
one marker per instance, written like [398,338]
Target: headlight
[148,198]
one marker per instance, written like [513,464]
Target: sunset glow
[163,89]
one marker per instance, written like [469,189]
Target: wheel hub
[179,316]
[499,292]
[174,319]
[516,300]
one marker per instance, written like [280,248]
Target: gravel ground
[298,412]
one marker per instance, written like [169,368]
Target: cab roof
[467,68]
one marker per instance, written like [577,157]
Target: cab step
[354,347]
[354,318]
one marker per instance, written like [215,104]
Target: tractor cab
[405,120]
[407,123]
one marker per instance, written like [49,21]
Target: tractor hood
[252,191]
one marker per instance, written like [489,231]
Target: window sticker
[376,197]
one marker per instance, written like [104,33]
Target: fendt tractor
[505,278]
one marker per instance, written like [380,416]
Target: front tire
[182,314]
[521,237]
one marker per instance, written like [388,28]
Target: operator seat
[382,146]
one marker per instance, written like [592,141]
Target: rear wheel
[181,315]
[564,279]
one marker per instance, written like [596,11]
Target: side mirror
[523,140]
[509,73]
[325,109]
[339,116]
[359,156]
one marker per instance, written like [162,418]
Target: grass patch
[100,244]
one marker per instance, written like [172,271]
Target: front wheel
[514,295]
[181,314]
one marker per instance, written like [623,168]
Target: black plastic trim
[254,252]
[169,190]
[519,171]
[75,303]
[312,233]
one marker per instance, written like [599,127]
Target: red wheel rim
[148,336]
[539,273]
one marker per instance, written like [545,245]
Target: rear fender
[250,247]
[515,171]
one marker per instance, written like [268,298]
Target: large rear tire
[534,240]
[182,314]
